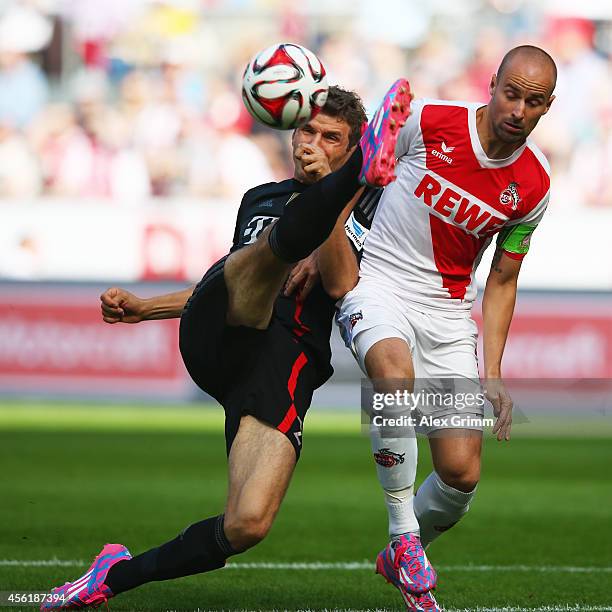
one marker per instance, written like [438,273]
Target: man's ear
[548,104]
[492,84]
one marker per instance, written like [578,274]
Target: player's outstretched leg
[261,463]
[310,218]
[201,547]
[380,137]
[255,274]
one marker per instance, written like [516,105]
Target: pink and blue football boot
[404,564]
[380,136]
[89,589]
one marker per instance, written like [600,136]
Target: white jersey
[434,222]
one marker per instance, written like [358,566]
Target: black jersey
[309,320]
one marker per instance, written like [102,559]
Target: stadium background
[124,152]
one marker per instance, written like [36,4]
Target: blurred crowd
[129,99]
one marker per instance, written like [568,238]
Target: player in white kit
[466,172]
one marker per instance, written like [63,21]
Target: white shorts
[443,346]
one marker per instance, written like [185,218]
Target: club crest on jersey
[510,195]
[354,317]
[387,458]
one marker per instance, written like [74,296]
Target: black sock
[200,548]
[310,218]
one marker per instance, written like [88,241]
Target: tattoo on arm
[496,260]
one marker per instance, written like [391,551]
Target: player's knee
[247,529]
[390,377]
[463,477]
[389,365]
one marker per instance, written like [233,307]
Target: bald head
[528,58]
[521,93]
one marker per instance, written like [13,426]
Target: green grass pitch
[74,477]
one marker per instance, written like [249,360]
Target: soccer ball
[284,86]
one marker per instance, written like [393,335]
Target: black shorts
[264,373]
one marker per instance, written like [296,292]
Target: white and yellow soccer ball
[284,86]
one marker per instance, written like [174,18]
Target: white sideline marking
[348,566]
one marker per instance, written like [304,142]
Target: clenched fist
[121,306]
[314,161]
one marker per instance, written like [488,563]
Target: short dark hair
[346,105]
[531,52]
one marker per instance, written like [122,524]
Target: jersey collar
[481,156]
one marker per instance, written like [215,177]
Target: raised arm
[121,306]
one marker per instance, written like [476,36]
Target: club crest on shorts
[525,241]
[354,317]
[510,195]
[387,458]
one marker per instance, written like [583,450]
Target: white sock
[396,464]
[439,506]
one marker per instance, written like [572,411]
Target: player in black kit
[260,351]
[271,374]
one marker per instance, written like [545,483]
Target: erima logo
[458,207]
[443,156]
